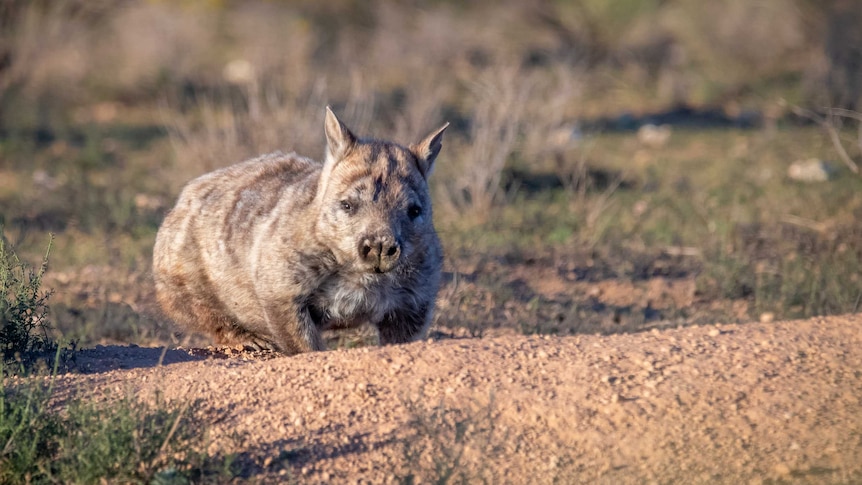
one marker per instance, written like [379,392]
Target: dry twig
[826,124]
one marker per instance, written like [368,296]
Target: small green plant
[125,441]
[23,307]
[448,444]
[27,433]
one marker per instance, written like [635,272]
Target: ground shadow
[112,357]
[681,116]
[297,453]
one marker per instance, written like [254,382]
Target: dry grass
[499,98]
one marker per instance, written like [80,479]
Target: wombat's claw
[258,345]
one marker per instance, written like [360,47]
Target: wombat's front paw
[241,339]
[257,344]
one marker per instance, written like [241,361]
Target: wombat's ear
[339,139]
[426,150]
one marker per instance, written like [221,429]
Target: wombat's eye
[414,211]
[346,206]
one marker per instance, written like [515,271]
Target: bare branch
[827,125]
[845,113]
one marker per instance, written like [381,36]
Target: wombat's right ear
[339,139]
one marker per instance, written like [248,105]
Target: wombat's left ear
[426,150]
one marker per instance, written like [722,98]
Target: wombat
[271,251]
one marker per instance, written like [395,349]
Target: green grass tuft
[23,307]
[125,441]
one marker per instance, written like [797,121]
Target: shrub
[23,307]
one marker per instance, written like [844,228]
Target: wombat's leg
[294,329]
[404,325]
[204,315]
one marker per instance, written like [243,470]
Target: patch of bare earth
[717,404]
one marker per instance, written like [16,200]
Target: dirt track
[728,404]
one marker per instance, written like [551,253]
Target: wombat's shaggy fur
[273,250]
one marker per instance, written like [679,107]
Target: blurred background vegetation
[613,165]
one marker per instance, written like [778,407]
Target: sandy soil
[719,404]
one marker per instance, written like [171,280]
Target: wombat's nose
[380,252]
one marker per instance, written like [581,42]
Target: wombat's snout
[380,252]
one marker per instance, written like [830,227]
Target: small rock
[654,136]
[811,170]
[767,317]
[782,469]
[44,180]
[238,71]
[714,332]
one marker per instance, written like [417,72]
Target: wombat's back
[203,257]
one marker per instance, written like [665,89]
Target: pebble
[654,136]
[810,170]
[782,469]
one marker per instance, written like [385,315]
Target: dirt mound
[729,404]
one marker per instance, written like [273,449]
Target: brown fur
[273,250]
